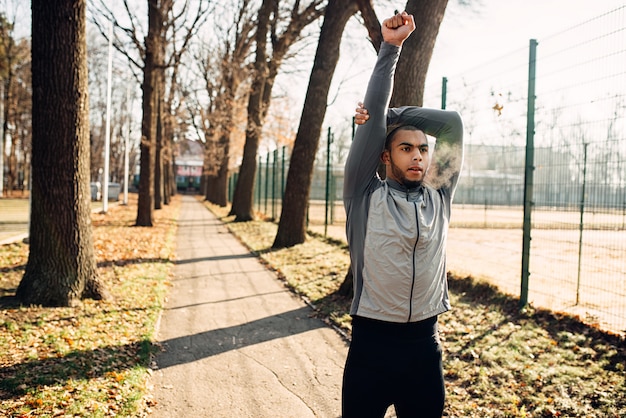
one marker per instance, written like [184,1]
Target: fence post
[232,181]
[444,92]
[326,207]
[267,178]
[528,172]
[581,224]
[282,177]
[229,188]
[258,182]
[274,162]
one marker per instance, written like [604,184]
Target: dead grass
[499,361]
[90,360]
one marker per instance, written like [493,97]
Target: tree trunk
[292,225]
[145,199]
[347,286]
[417,52]
[167,181]
[158,157]
[219,182]
[242,198]
[61,266]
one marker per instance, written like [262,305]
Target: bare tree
[61,266]
[15,89]
[224,69]
[170,31]
[292,225]
[269,24]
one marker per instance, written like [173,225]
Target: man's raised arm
[369,139]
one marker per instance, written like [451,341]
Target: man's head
[406,155]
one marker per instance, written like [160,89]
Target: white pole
[126,145]
[107,134]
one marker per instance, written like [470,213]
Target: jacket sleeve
[369,139]
[447,127]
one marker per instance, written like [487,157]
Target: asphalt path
[235,342]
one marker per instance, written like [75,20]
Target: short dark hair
[393,129]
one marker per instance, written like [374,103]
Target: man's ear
[384,157]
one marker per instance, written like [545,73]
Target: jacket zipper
[413,260]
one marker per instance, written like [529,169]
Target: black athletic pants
[393,364]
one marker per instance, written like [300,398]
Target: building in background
[188,162]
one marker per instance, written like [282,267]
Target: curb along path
[236,342]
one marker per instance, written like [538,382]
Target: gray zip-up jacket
[397,236]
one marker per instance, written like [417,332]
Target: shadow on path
[189,348]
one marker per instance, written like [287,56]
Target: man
[397,230]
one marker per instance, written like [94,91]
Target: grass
[93,359]
[498,361]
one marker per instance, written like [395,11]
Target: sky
[469,38]
[498,26]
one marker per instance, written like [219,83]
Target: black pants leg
[393,364]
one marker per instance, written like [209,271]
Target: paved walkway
[14,214]
[236,342]
[13,220]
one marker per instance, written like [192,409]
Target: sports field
[586,277]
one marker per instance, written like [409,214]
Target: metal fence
[540,209]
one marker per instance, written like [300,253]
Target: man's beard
[399,174]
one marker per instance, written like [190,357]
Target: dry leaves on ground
[90,360]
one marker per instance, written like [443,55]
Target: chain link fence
[540,210]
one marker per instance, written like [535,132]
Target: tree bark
[158,157]
[218,191]
[292,225]
[242,198]
[61,266]
[145,199]
[417,51]
[265,73]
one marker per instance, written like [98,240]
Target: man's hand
[361,115]
[397,28]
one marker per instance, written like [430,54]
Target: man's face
[407,160]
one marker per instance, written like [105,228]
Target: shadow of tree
[17,268]
[121,262]
[610,348]
[19,379]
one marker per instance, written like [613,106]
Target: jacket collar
[401,187]
[416,191]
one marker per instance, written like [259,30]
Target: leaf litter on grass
[92,359]
[499,361]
